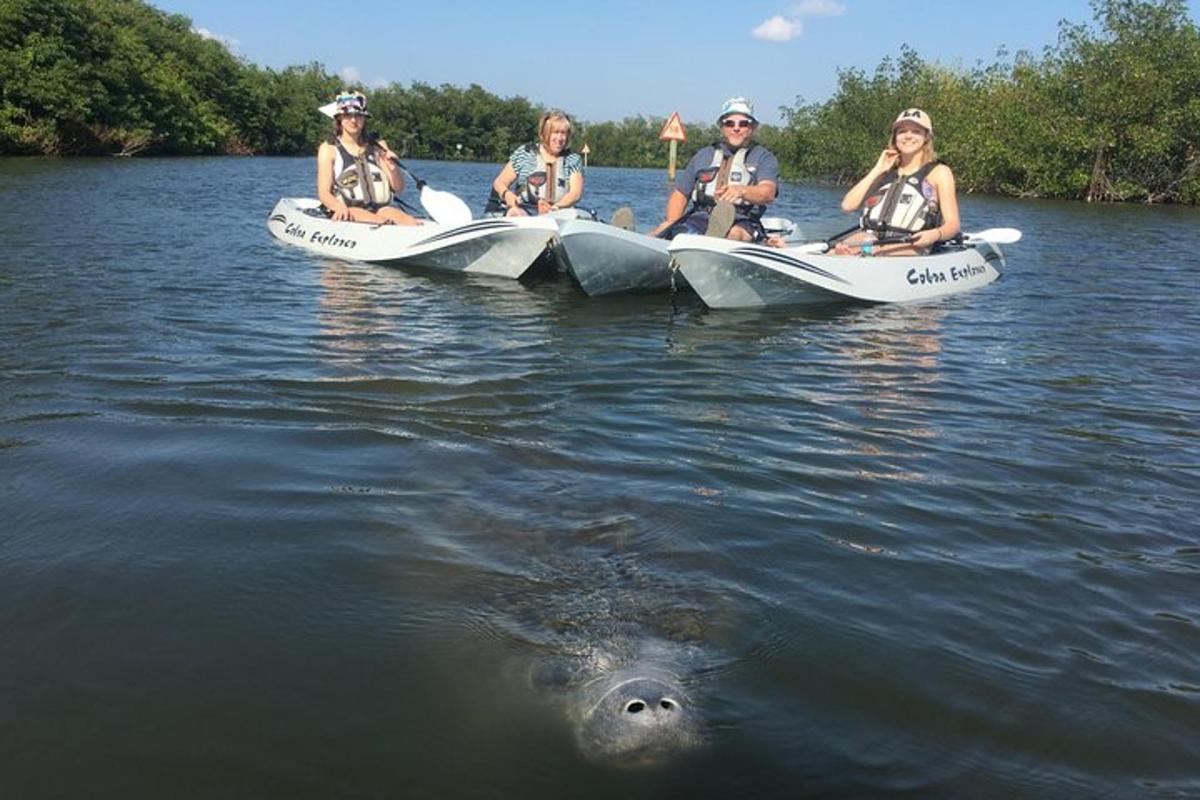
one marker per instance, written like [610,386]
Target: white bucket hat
[737,105]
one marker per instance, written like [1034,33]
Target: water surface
[275,526]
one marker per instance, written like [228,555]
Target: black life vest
[900,204]
[359,180]
[539,185]
[708,180]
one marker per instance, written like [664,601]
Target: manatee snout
[636,718]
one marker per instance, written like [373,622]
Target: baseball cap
[917,116]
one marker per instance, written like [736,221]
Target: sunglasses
[737,123]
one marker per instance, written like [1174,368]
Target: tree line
[1109,112]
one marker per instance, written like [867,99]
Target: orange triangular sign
[673,129]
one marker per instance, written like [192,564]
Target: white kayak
[504,246]
[608,260]
[729,274]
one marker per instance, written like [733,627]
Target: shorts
[697,223]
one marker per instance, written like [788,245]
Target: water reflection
[351,311]
[896,361]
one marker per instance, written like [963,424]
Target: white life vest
[709,180]
[902,203]
[538,185]
[360,181]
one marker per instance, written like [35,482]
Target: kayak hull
[728,274]
[504,247]
[606,260]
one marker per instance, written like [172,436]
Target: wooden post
[583,151]
[671,161]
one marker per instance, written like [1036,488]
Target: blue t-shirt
[760,163]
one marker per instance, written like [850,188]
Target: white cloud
[352,76]
[781,28]
[231,44]
[818,8]
[778,29]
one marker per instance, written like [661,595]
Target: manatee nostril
[667,704]
[635,706]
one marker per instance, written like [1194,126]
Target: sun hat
[917,116]
[737,105]
[347,102]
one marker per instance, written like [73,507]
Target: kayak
[608,260]
[504,246]
[729,274]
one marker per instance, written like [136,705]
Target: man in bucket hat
[729,183]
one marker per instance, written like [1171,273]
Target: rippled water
[281,527]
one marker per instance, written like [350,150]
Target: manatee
[636,716]
[627,668]
[600,629]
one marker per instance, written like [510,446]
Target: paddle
[994,236]
[988,236]
[444,207]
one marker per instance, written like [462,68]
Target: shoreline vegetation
[1111,112]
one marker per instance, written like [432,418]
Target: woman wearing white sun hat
[908,193]
[357,177]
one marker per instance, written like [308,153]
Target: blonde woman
[356,176]
[908,193]
[542,176]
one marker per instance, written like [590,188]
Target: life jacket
[902,203]
[359,180]
[548,181]
[721,173]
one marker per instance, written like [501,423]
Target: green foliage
[634,142]
[118,76]
[1110,113]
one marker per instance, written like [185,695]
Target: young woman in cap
[357,177]
[907,193]
[542,176]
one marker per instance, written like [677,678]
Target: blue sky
[610,59]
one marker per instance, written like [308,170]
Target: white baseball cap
[917,116]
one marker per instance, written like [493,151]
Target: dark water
[278,527]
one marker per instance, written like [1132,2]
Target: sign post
[674,133]
[583,151]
